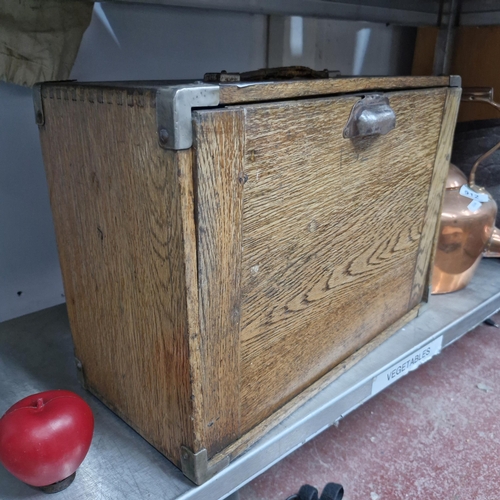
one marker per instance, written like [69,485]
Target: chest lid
[174,100]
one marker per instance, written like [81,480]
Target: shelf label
[410,363]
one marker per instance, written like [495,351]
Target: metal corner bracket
[173,112]
[79,373]
[455,81]
[196,468]
[38,103]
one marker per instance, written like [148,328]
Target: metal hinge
[173,112]
[195,465]
[38,103]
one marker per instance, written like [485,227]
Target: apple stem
[39,403]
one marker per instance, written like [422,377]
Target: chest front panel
[330,231]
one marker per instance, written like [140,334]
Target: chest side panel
[120,211]
[331,234]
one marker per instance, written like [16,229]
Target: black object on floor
[332,491]
[490,322]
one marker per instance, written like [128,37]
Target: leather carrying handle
[270,74]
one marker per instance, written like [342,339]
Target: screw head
[163,135]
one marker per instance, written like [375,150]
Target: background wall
[147,42]
[475,52]
[353,48]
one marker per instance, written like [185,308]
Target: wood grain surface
[122,232]
[253,435]
[331,231]
[269,91]
[212,291]
[428,243]
[219,139]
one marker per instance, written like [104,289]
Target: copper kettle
[467,230]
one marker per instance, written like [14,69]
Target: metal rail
[404,12]
[480,13]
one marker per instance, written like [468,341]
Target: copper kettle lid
[456,178]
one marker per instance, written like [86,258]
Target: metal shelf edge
[385,12]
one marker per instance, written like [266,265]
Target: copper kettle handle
[480,94]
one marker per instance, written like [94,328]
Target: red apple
[45,437]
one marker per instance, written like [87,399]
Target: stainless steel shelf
[36,354]
[404,12]
[480,13]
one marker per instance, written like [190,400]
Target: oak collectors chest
[229,249]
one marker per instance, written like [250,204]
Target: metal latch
[173,112]
[371,115]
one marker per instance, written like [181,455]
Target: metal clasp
[371,115]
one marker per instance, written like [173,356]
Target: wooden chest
[229,249]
